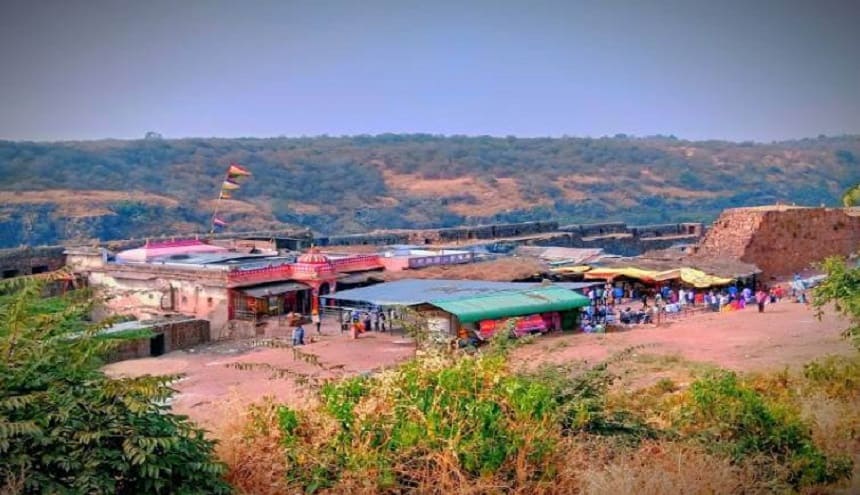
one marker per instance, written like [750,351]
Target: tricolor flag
[237,171]
[217,221]
[229,185]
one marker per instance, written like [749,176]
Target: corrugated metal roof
[507,304]
[409,292]
[570,255]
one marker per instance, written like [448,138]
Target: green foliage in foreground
[66,428]
[729,415]
[476,415]
[841,288]
[472,407]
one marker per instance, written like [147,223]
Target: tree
[842,288]
[851,196]
[67,428]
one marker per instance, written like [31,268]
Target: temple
[227,285]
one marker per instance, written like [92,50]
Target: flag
[229,185]
[224,195]
[236,171]
[219,222]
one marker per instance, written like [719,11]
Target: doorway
[156,345]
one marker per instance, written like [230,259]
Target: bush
[837,376]
[842,289]
[731,416]
[67,428]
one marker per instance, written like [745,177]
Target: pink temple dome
[313,257]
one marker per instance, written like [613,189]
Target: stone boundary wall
[603,235]
[16,262]
[178,335]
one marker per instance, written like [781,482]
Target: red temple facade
[294,287]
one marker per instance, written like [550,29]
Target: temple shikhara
[238,282]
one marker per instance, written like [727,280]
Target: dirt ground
[212,384]
[786,334]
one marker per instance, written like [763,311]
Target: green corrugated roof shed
[518,303]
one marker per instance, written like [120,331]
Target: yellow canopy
[700,279]
[691,276]
[611,273]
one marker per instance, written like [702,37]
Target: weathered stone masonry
[781,240]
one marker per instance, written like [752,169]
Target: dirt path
[786,334]
[212,386]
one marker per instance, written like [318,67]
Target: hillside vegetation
[117,189]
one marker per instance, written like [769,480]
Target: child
[298,336]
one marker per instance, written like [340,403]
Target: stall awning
[700,279]
[518,303]
[273,289]
[630,272]
[691,276]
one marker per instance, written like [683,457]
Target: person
[346,319]
[315,318]
[601,314]
[760,298]
[367,322]
[382,320]
[298,335]
[626,316]
[682,297]
[747,294]
[375,317]
[733,292]
[645,314]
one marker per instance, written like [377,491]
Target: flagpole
[218,203]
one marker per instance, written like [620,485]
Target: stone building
[220,286]
[781,240]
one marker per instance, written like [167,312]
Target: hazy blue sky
[763,70]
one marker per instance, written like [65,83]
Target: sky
[741,70]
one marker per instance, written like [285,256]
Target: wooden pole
[218,203]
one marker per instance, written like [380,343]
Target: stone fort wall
[16,262]
[781,240]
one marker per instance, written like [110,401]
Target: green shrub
[67,428]
[729,415]
[836,376]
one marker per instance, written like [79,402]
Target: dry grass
[663,468]
[250,445]
[84,203]
[504,195]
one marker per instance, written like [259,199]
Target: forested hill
[53,192]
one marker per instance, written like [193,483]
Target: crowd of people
[358,322]
[608,300]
